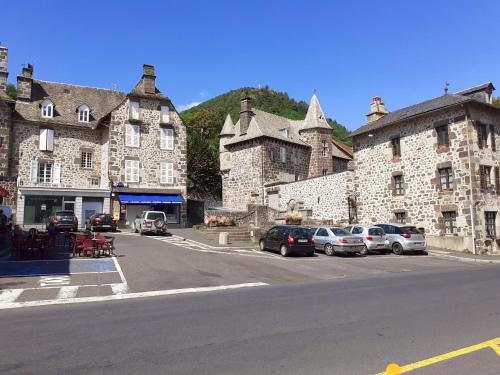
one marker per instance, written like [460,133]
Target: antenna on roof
[446,85]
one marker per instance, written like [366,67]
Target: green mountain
[210,115]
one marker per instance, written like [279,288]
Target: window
[357,230]
[482,135]
[497,179]
[325,172]
[132,135]
[283,154]
[484,177]
[94,181]
[47,109]
[134,110]
[324,151]
[442,134]
[398,184]
[285,132]
[1,141]
[446,178]
[396,147]
[45,172]
[493,138]
[400,217]
[132,170]
[490,218]
[86,160]
[165,114]
[166,139]
[46,140]
[166,173]
[322,232]
[450,222]
[83,113]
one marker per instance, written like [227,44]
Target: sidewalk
[463,257]
[193,234]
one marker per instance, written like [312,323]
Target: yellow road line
[493,344]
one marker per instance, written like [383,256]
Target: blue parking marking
[55,267]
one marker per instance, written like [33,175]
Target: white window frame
[45,172]
[135,110]
[86,160]
[46,141]
[165,114]
[132,170]
[47,110]
[283,154]
[166,138]
[83,113]
[166,172]
[132,135]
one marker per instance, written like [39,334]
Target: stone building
[434,165]
[92,150]
[263,150]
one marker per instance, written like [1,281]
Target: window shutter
[136,137]
[57,174]
[497,179]
[34,171]
[43,139]
[170,173]
[50,140]
[482,177]
[170,139]
[163,139]
[493,140]
[135,170]
[127,137]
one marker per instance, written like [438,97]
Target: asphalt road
[346,326]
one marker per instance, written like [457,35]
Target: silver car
[403,238]
[337,240]
[151,221]
[373,237]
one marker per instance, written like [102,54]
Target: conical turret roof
[315,117]
[228,128]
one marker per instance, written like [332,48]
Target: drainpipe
[472,204]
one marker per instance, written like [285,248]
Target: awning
[150,199]
[3,192]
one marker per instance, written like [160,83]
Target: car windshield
[64,213]
[340,232]
[312,231]
[376,232]
[410,230]
[300,233]
[155,215]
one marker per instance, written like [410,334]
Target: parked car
[337,240]
[64,220]
[151,222]
[373,237]
[101,222]
[288,240]
[403,237]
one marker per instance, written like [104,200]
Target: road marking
[124,287]
[9,295]
[68,291]
[53,280]
[155,293]
[493,344]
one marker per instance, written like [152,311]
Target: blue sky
[348,51]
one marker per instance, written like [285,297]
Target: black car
[64,220]
[288,240]
[101,222]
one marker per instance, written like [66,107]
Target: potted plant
[293,219]
[212,221]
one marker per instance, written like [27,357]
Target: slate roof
[138,91]
[5,98]
[441,102]
[66,99]
[341,150]
[264,124]
[228,128]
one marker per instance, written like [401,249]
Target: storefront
[132,205]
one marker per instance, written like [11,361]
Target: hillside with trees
[204,123]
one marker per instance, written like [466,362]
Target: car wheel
[284,251]
[397,249]
[364,252]
[329,250]
[262,245]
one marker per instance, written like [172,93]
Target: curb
[462,259]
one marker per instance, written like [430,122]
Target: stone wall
[293,169]
[318,161]
[9,184]
[5,115]
[326,196]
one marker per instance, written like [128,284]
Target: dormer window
[47,109]
[134,110]
[83,113]
[165,114]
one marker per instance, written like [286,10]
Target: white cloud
[185,107]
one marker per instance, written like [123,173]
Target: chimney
[148,79]
[24,84]
[245,113]
[4,73]
[377,110]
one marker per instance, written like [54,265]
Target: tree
[496,102]
[11,91]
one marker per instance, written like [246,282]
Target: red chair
[88,246]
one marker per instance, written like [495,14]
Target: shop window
[39,208]
[450,222]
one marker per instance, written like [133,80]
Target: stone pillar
[245,114]
[149,79]
[78,211]
[4,73]
[24,84]
[106,205]
[20,209]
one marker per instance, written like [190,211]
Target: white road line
[9,295]
[156,293]
[67,292]
[124,288]
[120,288]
